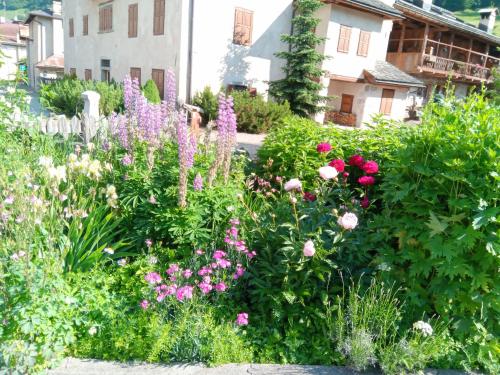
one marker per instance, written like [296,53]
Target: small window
[135,73]
[85,25]
[71,28]
[106,18]
[133,15]
[344,39]
[386,102]
[106,70]
[243,27]
[364,43]
[88,74]
[158,76]
[72,72]
[347,102]
[159,17]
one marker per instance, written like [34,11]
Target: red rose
[370,167]
[366,180]
[356,161]
[309,197]
[338,164]
[324,147]
[365,202]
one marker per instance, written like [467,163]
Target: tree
[302,84]
[151,92]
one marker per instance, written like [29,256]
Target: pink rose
[242,319]
[338,164]
[370,167]
[309,249]
[356,161]
[324,147]
[366,180]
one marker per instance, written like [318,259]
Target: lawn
[472,17]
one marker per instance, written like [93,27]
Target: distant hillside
[472,17]
[455,5]
[21,8]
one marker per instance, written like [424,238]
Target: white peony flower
[92,331]
[57,173]
[109,251]
[45,161]
[328,173]
[309,249]
[293,184]
[424,328]
[348,221]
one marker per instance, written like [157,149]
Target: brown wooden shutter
[347,102]
[344,39]
[386,102]
[133,20]
[106,18]
[86,25]
[158,76]
[88,74]
[135,73]
[364,43]
[243,27]
[159,17]
[72,72]
[71,28]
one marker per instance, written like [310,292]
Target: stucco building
[12,47]
[45,58]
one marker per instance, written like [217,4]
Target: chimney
[57,8]
[427,5]
[488,18]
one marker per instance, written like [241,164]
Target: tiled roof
[376,5]
[442,16]
[9,31]
[41,13]
[386,73]
[54,62]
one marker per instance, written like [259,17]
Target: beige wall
[13,53]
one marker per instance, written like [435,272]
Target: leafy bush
[207,101]
[64,96]
[151,92]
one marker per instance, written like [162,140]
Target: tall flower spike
[182,141]
[230,136]
[222,127]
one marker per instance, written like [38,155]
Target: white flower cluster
[85,165]
[424,328]
[56,174]
[111,196]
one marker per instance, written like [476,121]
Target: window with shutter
[243,27]
[158,76]
[133,20]
[346,105]
[344,39]
[85,25]
[159,17]
[364,43]
[72,72]
[106,18]
[88,74]
[135,73]
[386,102]
[71,28]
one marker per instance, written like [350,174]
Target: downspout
[189,77]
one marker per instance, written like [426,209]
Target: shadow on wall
[235,66]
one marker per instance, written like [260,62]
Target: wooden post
[487,55]
[401,38]
[451,45]
[424,44]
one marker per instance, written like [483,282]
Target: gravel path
[250,142]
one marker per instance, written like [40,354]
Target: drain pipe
[189,79]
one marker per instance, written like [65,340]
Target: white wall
[218,62]
[13,53]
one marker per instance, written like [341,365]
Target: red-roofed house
[13,48]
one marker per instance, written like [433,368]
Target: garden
[369,248]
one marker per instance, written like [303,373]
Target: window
[243,25]
[85,25]
[364,43]
[106,70]
[386,102]
[346,105]
[71,28]
[135,73]
[159,17]
[158,76]
[344,39]
[132,20]
[88,74]
[72,72]
[106,18]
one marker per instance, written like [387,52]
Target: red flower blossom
[356,161]
[370,167]
[365,202]
[338,164]
[309,197]
[366,180]
[345,174]
[324,147]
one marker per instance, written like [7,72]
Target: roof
[386,73]
[444,17]
[487,10]
[376,5]
[10,30]
[41,13]
[54,62]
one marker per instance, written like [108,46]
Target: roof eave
[396,15]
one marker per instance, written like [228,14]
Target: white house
[12,47]
[46,45]
[205,42]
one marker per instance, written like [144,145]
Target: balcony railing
[459,68]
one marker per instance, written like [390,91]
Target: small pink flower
[185,292]
[240,271]
[370,167]
[234,222]
[309,249]
[172,269]
[153,278]
[223,263]
[152,199]
[205,271]
[366,180]
[127,160]
[324,147]
[9,200]
[144,304]
[199,252]
[219,254]
[220,287]
[205,287]
[242,319]
[187,273]
[148,243]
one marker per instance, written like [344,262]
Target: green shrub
[255,114]
[65,96]
[151,92]
[207,101]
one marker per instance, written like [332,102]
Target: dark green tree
[302,84]
[151,92]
